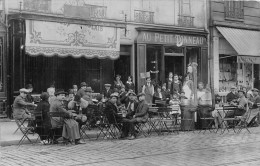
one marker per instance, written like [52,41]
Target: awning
[63,39]
[245,42]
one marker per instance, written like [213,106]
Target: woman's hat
[114,95]
[89,89]
[60,91]
[83,84]
[256,90]
[24,90]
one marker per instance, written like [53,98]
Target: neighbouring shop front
[239,58]
[62,53]
[165,52]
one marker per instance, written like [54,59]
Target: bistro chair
[209,120]
[243,121]
[153,120]
[228,122]
[54,130]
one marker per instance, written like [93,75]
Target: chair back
[58,114]
[160,103]
[230,108]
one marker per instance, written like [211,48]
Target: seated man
[242,105]
[111,112]
[20,110]
[107,92]
[232,96]
[70,126]
[140,116]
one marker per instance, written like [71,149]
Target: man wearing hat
[232,96]
[111,112]
[107,92]
[20,110]
[140,115]
[131,104]
[83,86]
[71,129]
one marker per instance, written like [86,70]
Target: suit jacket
[156,96]
[20,107]
[141,113]
[111,113]
[176,87]
[130,112]
[57,106]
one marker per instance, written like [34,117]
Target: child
[175,104]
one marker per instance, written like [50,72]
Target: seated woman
[43,122]
[158,95]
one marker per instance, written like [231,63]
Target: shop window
[234,9]
[154,63]
[229,72]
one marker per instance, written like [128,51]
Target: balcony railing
[236,13]
[185,21]
[144,16]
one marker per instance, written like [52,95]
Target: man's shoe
[80,142]
[131,137]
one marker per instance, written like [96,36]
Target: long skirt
[70,129]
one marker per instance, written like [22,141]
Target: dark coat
[107,93]
[156,96]
[231,96]
[44,107]
[141,113]
[111,113]
[176,87]
[81,92]
[130,112]
[129,86]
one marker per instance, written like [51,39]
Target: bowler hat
[60,91]
[89,89]
[83,84]
[141,94]
[131,93]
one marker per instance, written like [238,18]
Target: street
[184,149]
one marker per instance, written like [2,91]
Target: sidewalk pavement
[8,137]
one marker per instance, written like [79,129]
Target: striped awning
[65,39]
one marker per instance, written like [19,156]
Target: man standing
[20,105]
[253,120]
[70,126]
[83,87]
[232,96]
[148,90]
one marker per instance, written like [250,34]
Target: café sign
[171,39]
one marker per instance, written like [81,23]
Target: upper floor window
[234,9]
[185,19]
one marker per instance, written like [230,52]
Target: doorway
[174,64]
